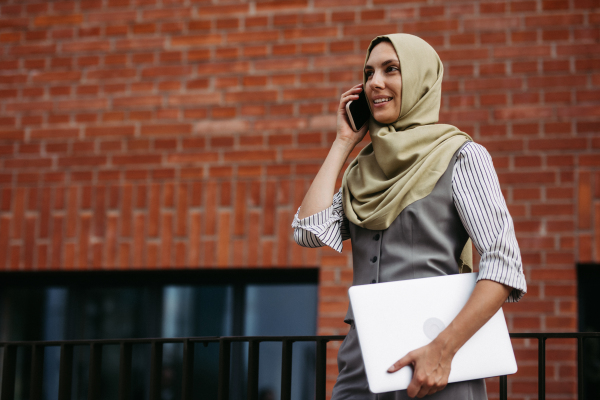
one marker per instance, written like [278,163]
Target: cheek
[394,110]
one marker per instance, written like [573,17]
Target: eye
[368,73]
[392,68]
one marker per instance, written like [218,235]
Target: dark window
[102,305]
[588,278]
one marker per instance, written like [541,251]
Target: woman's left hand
[431,363]
[431,368]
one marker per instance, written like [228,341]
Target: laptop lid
[394,318]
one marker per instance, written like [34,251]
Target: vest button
[374,259]
[373,281]
[376,237]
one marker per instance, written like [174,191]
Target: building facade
[183,134]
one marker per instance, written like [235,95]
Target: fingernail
[391,369]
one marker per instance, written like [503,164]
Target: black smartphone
[358,111]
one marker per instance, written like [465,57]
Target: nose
[377,80]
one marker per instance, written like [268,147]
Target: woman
[409,202]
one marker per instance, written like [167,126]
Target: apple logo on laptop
[432,327]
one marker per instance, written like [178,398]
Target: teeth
[382,100]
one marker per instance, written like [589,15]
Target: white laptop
[394,318]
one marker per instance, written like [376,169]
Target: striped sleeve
[482,209]
[325,228]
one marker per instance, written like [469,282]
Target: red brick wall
[141,135]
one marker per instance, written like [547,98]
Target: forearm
[320,194]
[486,299]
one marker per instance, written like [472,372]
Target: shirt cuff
[324,225]
[508,276]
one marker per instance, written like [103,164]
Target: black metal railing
[541,338]
[125,364]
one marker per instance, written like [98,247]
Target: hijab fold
[406,158]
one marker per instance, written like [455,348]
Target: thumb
[401,363]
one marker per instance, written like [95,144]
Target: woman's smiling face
[384,83]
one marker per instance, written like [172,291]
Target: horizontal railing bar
[279,338]
[213,339]
[555,335]
[216,339]
[87,342]
[77,342]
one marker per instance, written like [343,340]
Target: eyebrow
[383,64]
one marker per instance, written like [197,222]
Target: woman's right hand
[344,130]
[321,190]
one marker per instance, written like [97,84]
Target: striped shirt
[477,196]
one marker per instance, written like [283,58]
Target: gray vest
[425,240]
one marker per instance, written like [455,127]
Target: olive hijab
[406,158]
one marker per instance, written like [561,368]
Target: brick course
[185,136]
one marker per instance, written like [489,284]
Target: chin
[384,119]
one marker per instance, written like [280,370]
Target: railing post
[321,369]
[224,365]
[253,358]
[580,367]
[37,372]
[9,364]
[286,369]
[188,370]
[541,367]
[65,372]
[156,370]
[95,371]
[125,371]
[503,387]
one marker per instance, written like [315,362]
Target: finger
[437,386]
[433,387]
[442,383]
[346,95]
[351,93]
[355,89]
[346,99]
[414,387]
[363,130]
[401,363]
[424,391]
